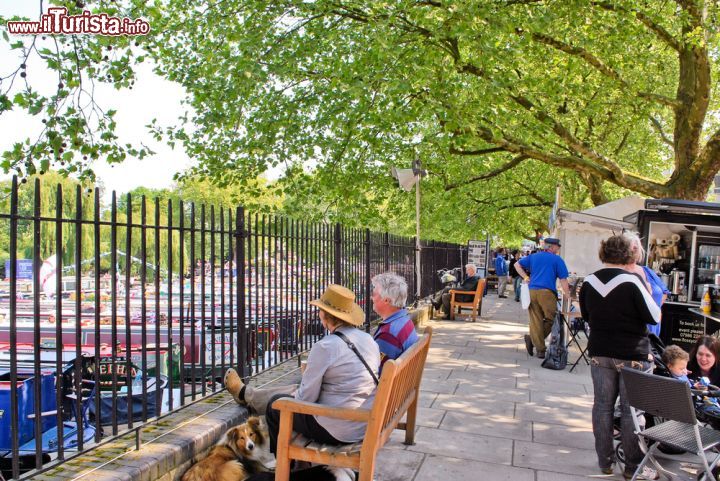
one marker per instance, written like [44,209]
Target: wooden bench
[475,305]
[397,395]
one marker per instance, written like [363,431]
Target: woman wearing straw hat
[335,375]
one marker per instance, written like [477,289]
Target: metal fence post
[338,254]
[368,287]
[386,251]
[242,344]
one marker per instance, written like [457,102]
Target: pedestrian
[514,275]
[657,287]
[617,305]
[547,268]
[501,271]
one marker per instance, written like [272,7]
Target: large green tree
[600,96]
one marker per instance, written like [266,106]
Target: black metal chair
[671,400]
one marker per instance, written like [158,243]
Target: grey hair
[471,266]
[391,286]
[635,245]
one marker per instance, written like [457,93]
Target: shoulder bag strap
[354,349]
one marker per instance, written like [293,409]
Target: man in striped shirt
[396,331]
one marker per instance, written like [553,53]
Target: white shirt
[336,377]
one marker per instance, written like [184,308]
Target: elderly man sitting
[442,298]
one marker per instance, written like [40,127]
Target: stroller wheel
[619,453]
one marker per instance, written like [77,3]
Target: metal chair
[670,400]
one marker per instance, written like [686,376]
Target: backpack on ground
[556,355]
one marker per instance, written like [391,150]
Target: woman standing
[658,289]
[334,376]
[617,306]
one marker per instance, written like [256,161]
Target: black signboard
[686,328]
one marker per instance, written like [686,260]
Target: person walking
[501,271]
[618,306]
[514,275]
[547,268]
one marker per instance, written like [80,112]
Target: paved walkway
[490,412]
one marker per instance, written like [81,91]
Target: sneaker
[607,470]
[646,473]
[528,344]
[234,385]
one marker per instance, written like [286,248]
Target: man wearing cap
[546,267]
[396,332]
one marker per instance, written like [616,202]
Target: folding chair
[569,315]
[670,400]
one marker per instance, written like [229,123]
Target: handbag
[556,355]
[524,295]
[354,349]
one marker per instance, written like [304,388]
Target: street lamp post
[407,178]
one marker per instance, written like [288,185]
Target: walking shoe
[646,473]
[541,354]
[528,344]
[607,470]
[235,386]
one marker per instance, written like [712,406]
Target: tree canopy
[501,100]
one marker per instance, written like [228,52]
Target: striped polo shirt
[394,335]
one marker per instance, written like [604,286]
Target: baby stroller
[699,396]
[657,347]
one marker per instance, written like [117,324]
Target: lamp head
[405,177]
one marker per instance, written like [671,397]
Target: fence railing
[125,312]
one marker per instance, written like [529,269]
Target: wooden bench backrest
[398,389]
[479,291]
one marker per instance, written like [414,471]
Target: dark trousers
[304,424]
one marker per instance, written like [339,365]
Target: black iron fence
[122,313]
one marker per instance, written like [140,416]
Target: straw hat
[340,302]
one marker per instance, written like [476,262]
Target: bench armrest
[304,407]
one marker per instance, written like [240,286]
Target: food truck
[682,243]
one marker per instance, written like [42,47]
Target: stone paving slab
[463,445]
[444,468]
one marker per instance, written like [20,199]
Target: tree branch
[598,65]
[488,175]
[657,29]
[658,127]
[456,151]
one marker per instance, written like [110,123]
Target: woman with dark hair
[617,306]
[704,359]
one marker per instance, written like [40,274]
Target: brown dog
[241,452]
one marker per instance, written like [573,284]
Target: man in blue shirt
[546,267]
[501,271]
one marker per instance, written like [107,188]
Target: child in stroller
[671,361]
[707,408]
